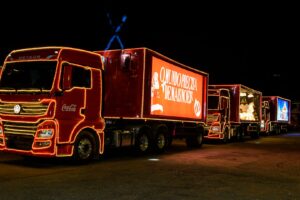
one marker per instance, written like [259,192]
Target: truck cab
[265,113]
[234,111]
[218,114]
[49,103]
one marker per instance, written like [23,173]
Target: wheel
[240,135]
[268,130]
[226,136]
[278,130]
[195,141]
[160,141]
[142,142]
[84,147]
[255,135]
[170,140]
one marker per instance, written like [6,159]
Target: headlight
[216,128]
[45,133]
[262,124]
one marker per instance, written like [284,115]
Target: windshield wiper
[30,89]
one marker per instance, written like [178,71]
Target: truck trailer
[68,102]
[276,115]
[295,116]
[234,111]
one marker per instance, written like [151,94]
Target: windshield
[213,102]
[213,118]
[28,75]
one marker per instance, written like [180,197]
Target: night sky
[254,45]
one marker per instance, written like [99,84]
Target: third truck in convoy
[234,111]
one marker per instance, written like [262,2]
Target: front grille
[19,135]
[26,108]
[20,142]
[20,128]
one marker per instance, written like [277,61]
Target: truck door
[224,109]
[265,116]
[71,104]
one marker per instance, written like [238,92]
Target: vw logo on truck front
[17,109]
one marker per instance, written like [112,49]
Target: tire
[268,131]
[255,135]
[170,140]
[160,142]
[84,147]
[240,135]
[278,130]
[142,141]
[226,136]
[195,141]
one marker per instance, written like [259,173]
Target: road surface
[265,168]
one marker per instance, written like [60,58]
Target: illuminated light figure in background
[116,31]
[284,113]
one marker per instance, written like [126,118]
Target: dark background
[256,45]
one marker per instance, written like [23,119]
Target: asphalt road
[266,168]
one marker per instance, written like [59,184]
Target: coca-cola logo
[197,108]
[69,108]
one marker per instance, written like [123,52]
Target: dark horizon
[250,45]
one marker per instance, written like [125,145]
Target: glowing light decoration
[116,32]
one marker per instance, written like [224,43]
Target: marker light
[42,144]
[1,136]
[153,159]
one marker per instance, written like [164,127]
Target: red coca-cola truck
[67,102]
[234,111]
[276,114]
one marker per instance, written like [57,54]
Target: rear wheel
[278,131]
[255,134]
[226,136]
[195,141]
[240,134]
[142,142]
[160,141]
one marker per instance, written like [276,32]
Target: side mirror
[125,61]
[67,77]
